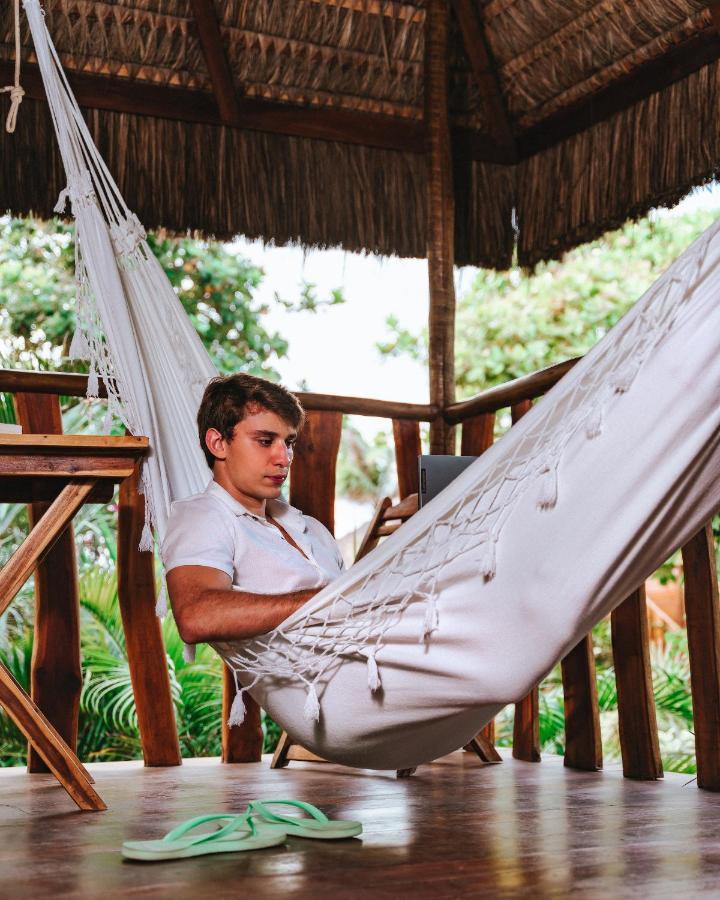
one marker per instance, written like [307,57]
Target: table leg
[22,563]
[59,758]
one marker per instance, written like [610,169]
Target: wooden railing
[312,489]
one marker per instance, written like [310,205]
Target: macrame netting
[405,656]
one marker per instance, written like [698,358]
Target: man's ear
[216,443]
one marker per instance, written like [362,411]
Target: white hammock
[408,654]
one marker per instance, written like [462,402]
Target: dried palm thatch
[304,121]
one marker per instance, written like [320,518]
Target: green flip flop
[315,825]
[240,833]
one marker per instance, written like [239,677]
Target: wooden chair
[386,520]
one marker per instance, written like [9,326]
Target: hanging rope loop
[16,92]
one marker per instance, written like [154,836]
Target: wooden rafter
[217,62]
[371,129]
[479,55]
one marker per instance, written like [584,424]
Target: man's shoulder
[201,504]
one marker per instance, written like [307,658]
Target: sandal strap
[259,807]
[234,823]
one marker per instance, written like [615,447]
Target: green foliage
[215,285]
[512,323]
[365,469]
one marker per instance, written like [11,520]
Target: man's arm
[206,608]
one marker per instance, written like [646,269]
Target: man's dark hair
[227,400]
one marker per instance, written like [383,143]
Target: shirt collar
[290,517]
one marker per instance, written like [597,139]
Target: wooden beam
[527,387]
[143,633]
[373,130]
[440,207]
[216,59]
[482,64]
[702,609]
[56,674]
[637,721]
[583,738]
[407,449]
[312,477]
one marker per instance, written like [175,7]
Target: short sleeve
[199,533]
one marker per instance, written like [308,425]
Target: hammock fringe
[311,710]
[237,710]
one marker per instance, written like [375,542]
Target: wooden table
[67,471]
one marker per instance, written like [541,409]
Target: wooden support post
[526,727]
[440,213]
[49,745]
[583,739]
[636,705]
[312,476]
[143,633]
[478,434]
[56,674]
[240,743]
[407,449]
[703,629]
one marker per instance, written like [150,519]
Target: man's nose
[282,455]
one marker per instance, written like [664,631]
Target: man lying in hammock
[239,560]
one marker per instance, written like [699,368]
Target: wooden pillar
[56,675]
[703,629]
[526,727]
[636,705]
[478,434]
[440,215]
[143,634]
[312,475]
[407,449]
[583,739]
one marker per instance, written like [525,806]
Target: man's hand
[206,608]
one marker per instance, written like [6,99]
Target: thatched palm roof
[304,119]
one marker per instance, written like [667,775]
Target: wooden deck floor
[456,829]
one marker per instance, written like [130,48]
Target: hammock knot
[127,234]
[237,710]
[93,385]
[373,675]
[146,538]
[16,95]
[548,485]
[594,424]
[161,605]
[488,559]
[311,710]
[432,619]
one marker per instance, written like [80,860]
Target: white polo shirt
[213,529]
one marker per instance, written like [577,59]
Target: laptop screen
[436,473]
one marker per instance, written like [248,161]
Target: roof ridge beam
[479,55]
[216,59]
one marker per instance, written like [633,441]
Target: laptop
[436,473]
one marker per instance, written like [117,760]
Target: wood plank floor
[455,829]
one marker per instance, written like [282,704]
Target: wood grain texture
[240,743]
[482,65]
[526,728]
[143,633]
[546,832]
[583,738]
[478,434]
[526,725]
[636,704]
[440,205]
[56,674]
[528,387]
[208,30]
[702,612]
[60,760]
[43,536]
[406,435]
[312,476]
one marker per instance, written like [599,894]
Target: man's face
[256,462]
